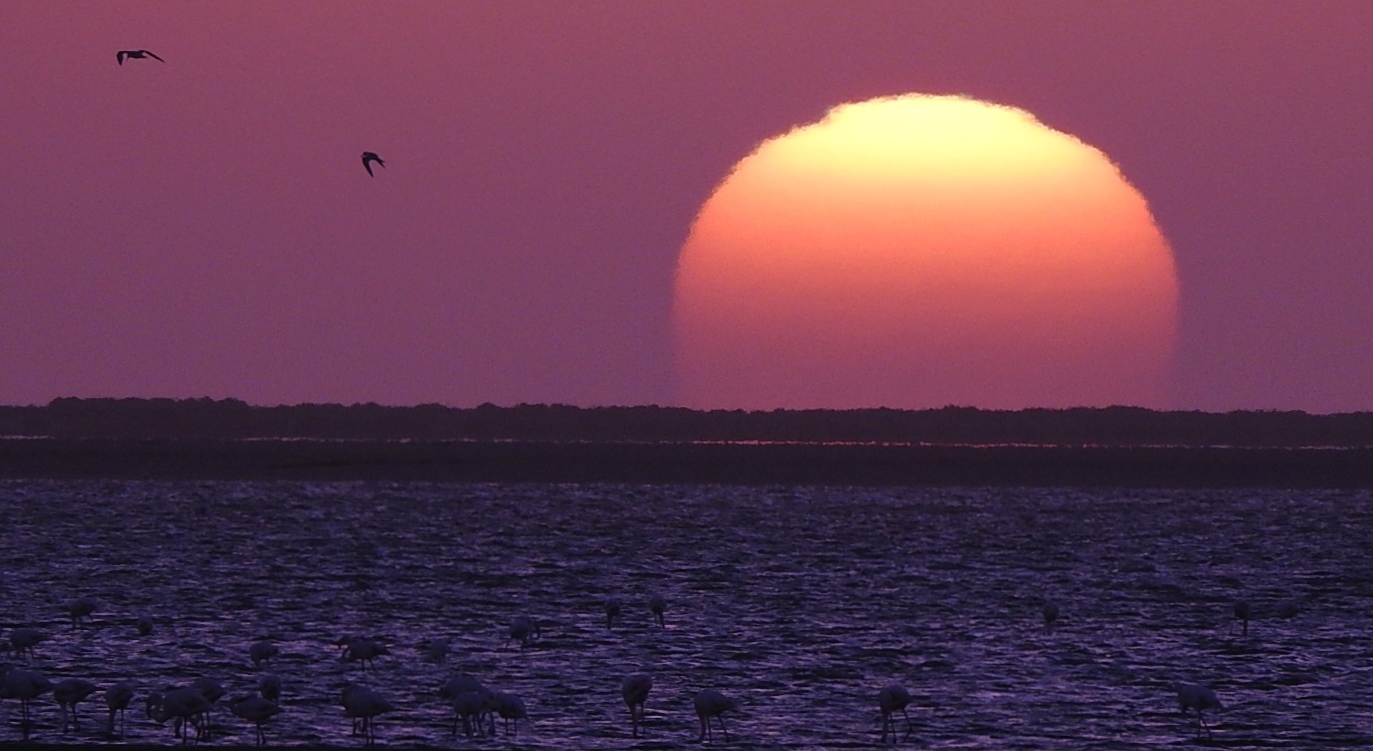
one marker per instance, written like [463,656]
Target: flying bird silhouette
[368,157]
[137,55]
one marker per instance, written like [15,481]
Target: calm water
[799,603]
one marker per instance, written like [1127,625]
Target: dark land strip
[683,463]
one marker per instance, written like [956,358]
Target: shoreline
[684,463]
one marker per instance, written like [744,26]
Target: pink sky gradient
[204,227]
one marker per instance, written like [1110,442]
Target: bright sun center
[921,251]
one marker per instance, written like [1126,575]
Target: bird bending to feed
[657,605]
[361,649]
[612,610]
[1243,612]
[635,691]
[183,706]
[509,707]
[262,651]
[434,650]
[269,687]
[891,700]
[368,157]
[1199,698]
[80,608]
[1050,613]
[524,631]
[24,685]
[711,703]
[117,698]
[256,710]
[68,693]
[23,640]
[137,55]
[364,705]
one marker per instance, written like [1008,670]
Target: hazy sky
[204,227]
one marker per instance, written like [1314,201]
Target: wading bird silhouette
[364,705]
[890,700]
[363,650]
[79,609]
[523,630]
[612,610]
[68,693]
[262,651]
[635,692]
[269,687]
[657,605]
[509,707]
[23,640]
[711,703]
[144,625]
[1243,612]
[183,706]
[122,55]
[25,686]
[117,698]
[256,710]
[1050,613]
[434,650]
[1199,698]
[368,157]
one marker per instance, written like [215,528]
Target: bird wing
[120,55]
[368,165]
[154,56]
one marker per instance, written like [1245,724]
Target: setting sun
[920,251]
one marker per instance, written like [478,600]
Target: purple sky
[204,227]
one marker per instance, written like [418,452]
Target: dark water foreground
[799,602]
[701,463]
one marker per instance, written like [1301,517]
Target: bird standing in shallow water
[80,608]
[711,703]
[1050,613]
[890,700]
[656,605]
[24,685]
[524,631]
[68,693]
[364,704]
[23,640]
[1197,697]
[635,691]
[122,55]
[256,710]
[1243,612]
[368,157]
[612,611]
[509,707]
[117,698]
[262,651]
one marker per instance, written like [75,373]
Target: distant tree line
[1112,426]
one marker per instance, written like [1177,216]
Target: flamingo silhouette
[24,685]
[269,687]
[262,651]
[122,55]
[711,703]
[635,692]
[144,625]
[890,700]
[1243,612]
[1199,698]
[612,610]
[434,650]
[80,608]
[656,605]
[117,698]
[363,650]
[509,707]
[1050,613]
[523,630]
[183,706]
[257,710]
[364,704]
[68,693]
[23,640]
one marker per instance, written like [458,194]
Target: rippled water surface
[800,603]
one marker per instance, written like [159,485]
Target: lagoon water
[801,603]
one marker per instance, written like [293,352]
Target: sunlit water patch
[800,603]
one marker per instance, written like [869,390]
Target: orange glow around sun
[921,251]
